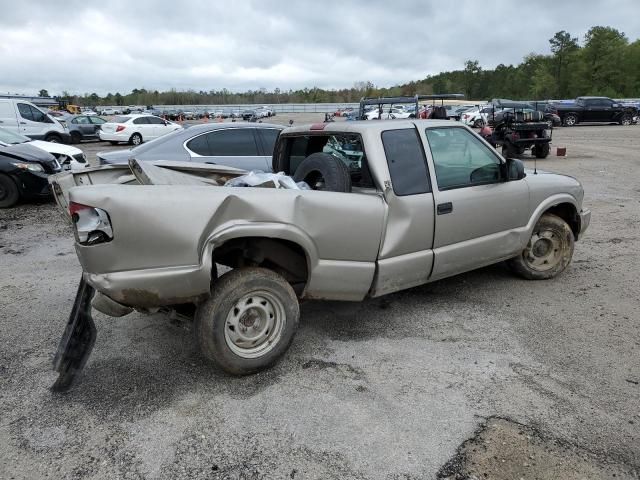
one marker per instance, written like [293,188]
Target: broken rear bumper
[77,340]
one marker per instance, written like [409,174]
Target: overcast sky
[85,46]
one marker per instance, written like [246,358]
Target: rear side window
[120,119]
[155,121]
[199,145]
[269,137]
[233,142]
[141,121]
[406,161]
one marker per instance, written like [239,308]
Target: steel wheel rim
[545,250]
[254,324]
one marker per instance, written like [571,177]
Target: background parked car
[110,111]
[84,127]
[240,145]
[478,116]
[136,129]
[24,172]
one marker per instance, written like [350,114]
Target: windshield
[11,138]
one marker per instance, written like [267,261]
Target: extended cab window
[345,146]
[406,161]
[461,159]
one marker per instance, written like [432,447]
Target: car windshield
[11,138]
[120,119]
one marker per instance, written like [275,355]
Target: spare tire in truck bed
[322,171]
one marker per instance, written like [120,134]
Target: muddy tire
[569,120]
[548,252]
[322,171]
[9,193]
[249,321]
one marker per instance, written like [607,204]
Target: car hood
[26,152]
[58,148]
[119,156]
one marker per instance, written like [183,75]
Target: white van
[21,116]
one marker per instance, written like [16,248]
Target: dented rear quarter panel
[167,233]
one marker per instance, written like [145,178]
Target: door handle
[444,208]
[23,123]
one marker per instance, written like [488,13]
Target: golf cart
[517,128]
[401,107]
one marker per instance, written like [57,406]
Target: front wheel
[9,193]
[53,138]
[548,252]
[249,321]
[570,120]
[626,120]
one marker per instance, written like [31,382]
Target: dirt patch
[506,450]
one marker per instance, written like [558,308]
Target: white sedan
[479,116]
[136,129]
[388,114]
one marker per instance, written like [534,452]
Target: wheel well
[282,256]
[569,214]
[52,134]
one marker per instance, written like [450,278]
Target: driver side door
[479,215]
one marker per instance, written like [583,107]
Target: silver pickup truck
[392,205]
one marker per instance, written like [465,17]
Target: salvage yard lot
[386,388]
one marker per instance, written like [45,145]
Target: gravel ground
[437,381]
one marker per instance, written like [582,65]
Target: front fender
[545,205]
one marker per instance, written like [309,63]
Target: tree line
[605,63]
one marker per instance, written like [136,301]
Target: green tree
[603,54]
[563,47]
[43,93]
[471,77]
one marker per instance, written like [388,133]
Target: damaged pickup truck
[392,205]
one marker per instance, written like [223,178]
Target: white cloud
[117,45]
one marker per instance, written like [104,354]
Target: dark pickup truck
[595,109]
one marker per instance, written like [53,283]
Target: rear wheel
[249,321]
[509,150]
[9,193]
[541,151]
[548,252]
[136,139]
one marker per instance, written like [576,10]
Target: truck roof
[367,125]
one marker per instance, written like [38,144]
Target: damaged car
[391,205]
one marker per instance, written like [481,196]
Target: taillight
[91,225]
[120,128]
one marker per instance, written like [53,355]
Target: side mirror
[515,169]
